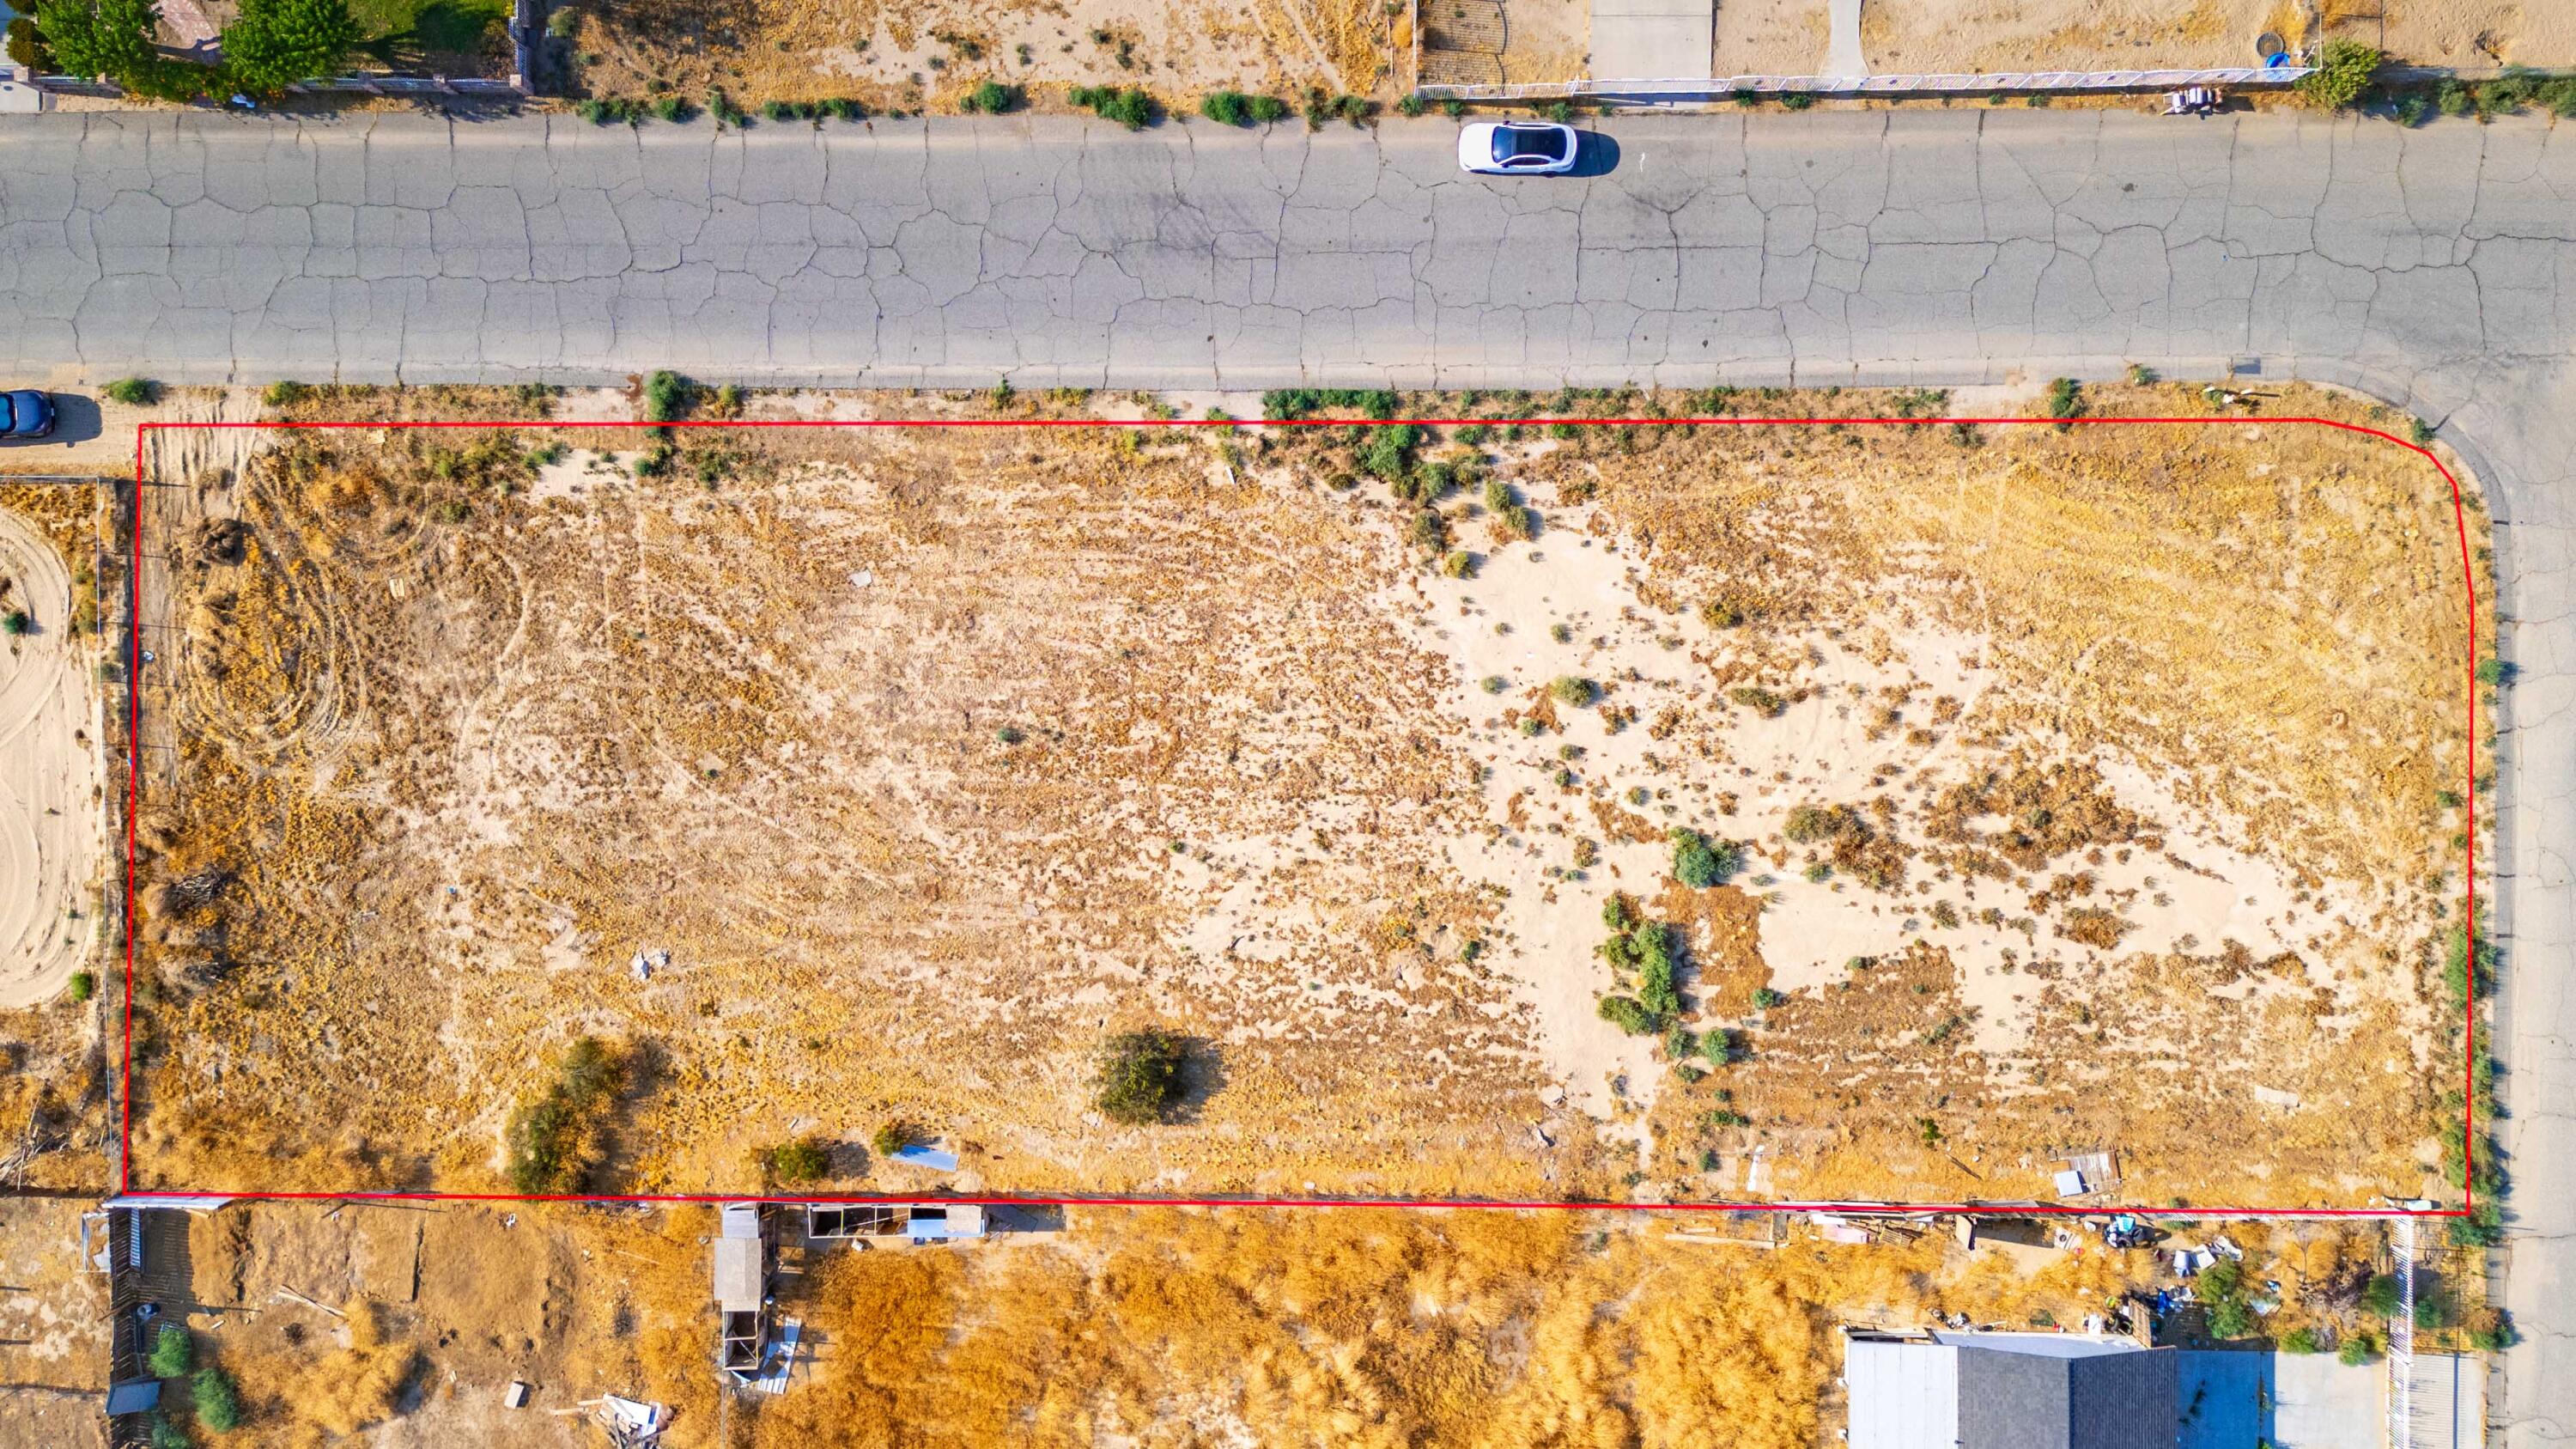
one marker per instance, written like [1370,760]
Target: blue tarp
[930,1157]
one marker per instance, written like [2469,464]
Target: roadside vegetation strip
[1570,690]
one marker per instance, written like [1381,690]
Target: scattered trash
[774,1380]
[631,1423]
[2226,1249]
[2070,1183]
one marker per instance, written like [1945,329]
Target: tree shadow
[1203,1075]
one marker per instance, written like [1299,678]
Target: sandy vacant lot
[929,55]
[1978,35]
[2085,791]
[51,836]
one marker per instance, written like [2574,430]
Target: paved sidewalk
[2434,267]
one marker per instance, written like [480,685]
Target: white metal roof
[1903,1395]
[738,1274]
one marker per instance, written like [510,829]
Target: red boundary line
[134,775]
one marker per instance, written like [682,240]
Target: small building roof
[738,1285]
[134,1396]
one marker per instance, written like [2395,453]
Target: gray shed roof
[2010,1391]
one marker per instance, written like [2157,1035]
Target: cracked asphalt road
[2436,268]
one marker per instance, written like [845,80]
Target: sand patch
[52,839]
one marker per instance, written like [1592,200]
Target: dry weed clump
[1360,1327]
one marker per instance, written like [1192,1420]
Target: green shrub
[1139,1079]
[114,39]
[991,98]
[675,110]
[84,986]
[1573,690]
[1559,112]
[1453,108]
[16,623]
[133,391]
[2468,969]
[2301,1340]
[26,45]
[2492,670]
[1765,998]
[1388,452]
[842,108]
[2358,1349]
[1290,403]
[803,1160]
[890,1138]
[217,1402]
[554,1142]
[285,394]
[1409,105]
[2065,398]
[562,22]
[1266,109]
[1226,108]
[2491,1330]
[1459,565]
[721,106]
[666,396]
[1625,1013]
[174,1352]
[1797,100]
[2379,1297]
[2230,1318]
[1131,108]
[1699,862]
[1759,700]
[2453,99]
[2482,1228]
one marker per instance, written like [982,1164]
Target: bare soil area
[52,840]
[2084,790]
[915,56]
[2019,35]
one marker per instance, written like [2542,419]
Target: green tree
[2343,71]
[174,1353]
[1140,1076]
[276,43]
[218,1403]
[104,39]
[804,1160]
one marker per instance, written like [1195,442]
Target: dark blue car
[25,415]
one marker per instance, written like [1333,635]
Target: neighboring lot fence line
[1845,86]
[367,85]
[527,32]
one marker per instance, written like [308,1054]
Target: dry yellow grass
[932,757]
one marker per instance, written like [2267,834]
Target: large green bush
[275,43]
[554,1141]
[2341,74]
[174,1352]
[1139,1079]
[1699,862]
[217,1401]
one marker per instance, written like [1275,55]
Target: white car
[1517,148]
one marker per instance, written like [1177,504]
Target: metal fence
[365,85]
[2074,82]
